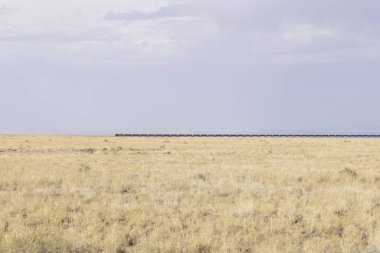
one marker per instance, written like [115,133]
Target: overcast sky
[189,66]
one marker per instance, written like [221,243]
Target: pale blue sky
[189,66]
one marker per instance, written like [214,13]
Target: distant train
[254,135]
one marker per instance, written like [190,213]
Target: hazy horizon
[189,66]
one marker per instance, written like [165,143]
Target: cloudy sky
[186,66]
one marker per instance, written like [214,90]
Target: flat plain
[107,194]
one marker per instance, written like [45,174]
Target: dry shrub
[349,172]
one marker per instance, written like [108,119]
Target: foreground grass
[104,194]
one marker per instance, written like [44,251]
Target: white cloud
[79,29]
[172,11]
[303,34]
[168,30]
[245,61]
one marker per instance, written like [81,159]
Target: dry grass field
[106,194]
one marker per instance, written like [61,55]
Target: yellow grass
[105,194]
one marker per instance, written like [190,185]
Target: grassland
[105,194]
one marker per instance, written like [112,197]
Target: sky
[189,66]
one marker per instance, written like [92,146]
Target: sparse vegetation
[85,194]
